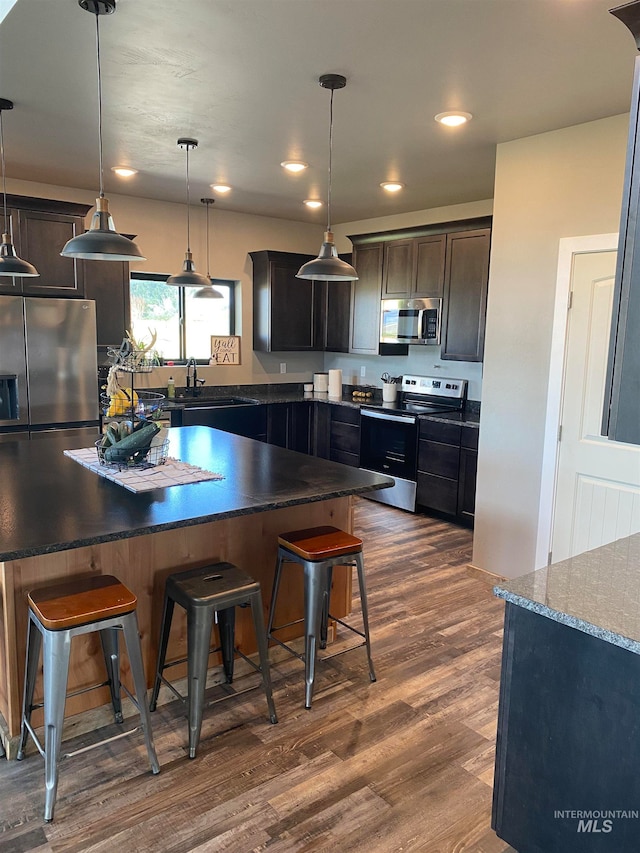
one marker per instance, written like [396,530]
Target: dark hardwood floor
[405,764]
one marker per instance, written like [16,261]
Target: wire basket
[154,455]
[136,361]
[132,404]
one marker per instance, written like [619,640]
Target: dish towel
[172,473]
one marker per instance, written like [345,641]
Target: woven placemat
[172,473]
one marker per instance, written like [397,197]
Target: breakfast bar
[59,519]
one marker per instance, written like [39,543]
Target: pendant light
[101,242]
[208,291]
[328,266]
[188,277]
[10,263]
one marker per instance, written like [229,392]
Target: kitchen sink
[218,403]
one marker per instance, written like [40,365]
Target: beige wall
[161,234]
[562,184]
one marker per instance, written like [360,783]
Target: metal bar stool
[206,593]
[318,550]
[56,615]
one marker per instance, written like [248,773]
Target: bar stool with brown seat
[56,615]
[205,593]
[318,550]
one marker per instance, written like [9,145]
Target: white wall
[562,184]
[421,360]
[161,235]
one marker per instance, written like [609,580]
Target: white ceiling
[242,77]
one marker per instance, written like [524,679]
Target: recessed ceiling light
[453,119]
[221,188]
[294,165]
[124,171]
[312,202]
[392,186]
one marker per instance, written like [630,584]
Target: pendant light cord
[188,228]
[208,271]
[330,158]
[4,177]
[99,104]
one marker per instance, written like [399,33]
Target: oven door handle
[385,416]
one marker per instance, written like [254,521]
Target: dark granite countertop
[51,503]
[597,592]
[286,394]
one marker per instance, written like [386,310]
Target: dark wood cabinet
[344,435]
[465,295]
[365,299]
[107,283]
[40,229]
[290,425]
[333,310]
[438,464]
[414,268]
[250,421]
[397,269]
[467,474]
[284,307]
[8,283]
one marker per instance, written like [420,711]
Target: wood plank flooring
[405,764]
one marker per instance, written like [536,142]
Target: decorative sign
[225,349]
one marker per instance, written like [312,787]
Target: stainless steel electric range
[389,433]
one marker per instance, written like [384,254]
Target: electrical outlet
[363,372]
[283,367]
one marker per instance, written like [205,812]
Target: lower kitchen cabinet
[290,425]
[250,421]
[344,435]
[467,474]
[447,462]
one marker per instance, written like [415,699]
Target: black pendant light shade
[188,277]
[208,291]
[328,266]
[10,263]
[101,242]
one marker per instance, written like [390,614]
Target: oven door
[389,445]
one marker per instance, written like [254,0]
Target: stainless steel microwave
[410,321]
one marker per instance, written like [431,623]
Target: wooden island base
[142,563]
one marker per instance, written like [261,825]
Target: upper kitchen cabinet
[284,307]
[414,268]
[41,227]
[12,283]
[465,295]
[333,313]
[107,283]
[366,294]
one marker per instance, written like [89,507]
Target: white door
[598,481]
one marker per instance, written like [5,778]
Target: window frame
[221,283]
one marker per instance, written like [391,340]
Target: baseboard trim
[488,578]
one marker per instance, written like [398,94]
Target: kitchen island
[59,519]
[568,747]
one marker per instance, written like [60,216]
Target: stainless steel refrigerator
[48,367]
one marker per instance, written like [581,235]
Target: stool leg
[34,644]
[199,625]
[134,651]
[315,592]
[57,645]
[111,652]
[227,629]
[365,611]
[263,652]
[274,592]
[324,624]
[165,628]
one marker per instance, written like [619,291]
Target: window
[182,323]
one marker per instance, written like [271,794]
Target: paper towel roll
[335,383]
[321,382]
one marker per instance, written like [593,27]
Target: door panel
[598,482]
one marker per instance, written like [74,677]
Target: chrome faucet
[192,377]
